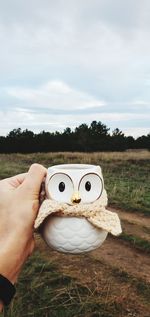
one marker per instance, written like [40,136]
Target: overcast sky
[67,62]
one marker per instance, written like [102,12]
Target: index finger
[16,180]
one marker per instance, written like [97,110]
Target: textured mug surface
[73,183]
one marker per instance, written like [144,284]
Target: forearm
[12,256]
[14,250]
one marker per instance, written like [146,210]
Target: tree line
[84,138]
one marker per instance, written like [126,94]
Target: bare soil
[134,223]
[124,257]
[134,217]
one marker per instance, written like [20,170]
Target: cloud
[38,121]
[54,95]
[54,105]
[136,132]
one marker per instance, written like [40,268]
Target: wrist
[7,290]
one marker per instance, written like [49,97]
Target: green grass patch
[137,242]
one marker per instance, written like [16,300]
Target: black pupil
[88,186]
[61,186]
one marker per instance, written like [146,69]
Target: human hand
[19,204]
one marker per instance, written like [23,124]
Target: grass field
[126,175]
[108,281]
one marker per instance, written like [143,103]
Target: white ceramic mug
[73,183]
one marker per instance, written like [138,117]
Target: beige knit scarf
[95,213]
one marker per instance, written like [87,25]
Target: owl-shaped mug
[73,184]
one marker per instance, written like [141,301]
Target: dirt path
[117,254]
[134,224]
[135,230]
[123,256]
[134,217]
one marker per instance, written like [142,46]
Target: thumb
[33,180]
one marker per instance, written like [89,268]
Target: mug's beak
[76,198]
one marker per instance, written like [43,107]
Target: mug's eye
[60,187]
[90,187]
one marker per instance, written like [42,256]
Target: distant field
[126,174]
[112,281]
